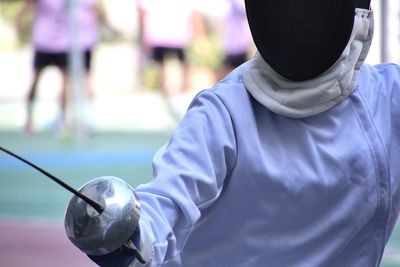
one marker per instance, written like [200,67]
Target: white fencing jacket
[240,185]
[265,172]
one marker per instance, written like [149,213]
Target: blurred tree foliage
[9,12]
[10,8]
[206,52]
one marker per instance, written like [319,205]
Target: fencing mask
[300,39]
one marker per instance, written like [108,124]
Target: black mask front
[300,39]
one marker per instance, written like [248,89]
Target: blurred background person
[237,43]
[52,40]
[166,29]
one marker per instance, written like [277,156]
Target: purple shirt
[51,29]
[236,33]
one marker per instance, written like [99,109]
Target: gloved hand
[110,236]
[123,256]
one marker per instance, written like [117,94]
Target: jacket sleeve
[189,173]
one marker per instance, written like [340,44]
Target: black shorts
[160,53]
[235,61]
[60,60]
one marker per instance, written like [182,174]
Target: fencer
[290,160]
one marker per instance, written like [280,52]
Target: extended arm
[189,174]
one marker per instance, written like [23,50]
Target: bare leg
[89,94]
[165,90]
[185,77]
[31,100]
[64,96]
[88,104]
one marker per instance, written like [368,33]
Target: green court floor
[27,194]
[24,192]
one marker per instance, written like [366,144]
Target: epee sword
[89,201]
[101,216]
